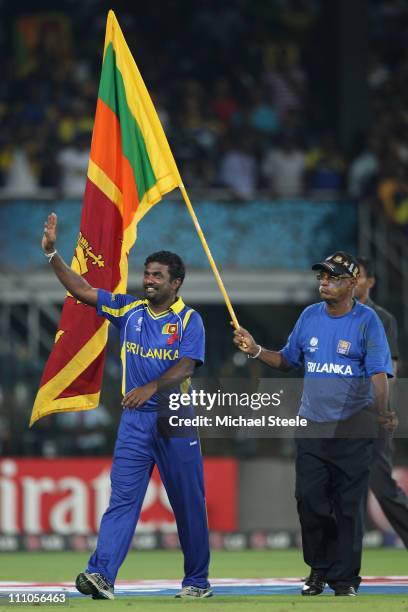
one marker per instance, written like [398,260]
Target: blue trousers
[138,448]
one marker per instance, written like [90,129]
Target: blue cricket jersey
[339,354]
[152,343]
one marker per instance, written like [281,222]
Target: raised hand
[50,234]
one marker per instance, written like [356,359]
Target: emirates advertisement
[68,497]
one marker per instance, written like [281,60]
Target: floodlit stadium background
[288,120]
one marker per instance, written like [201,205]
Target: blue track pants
[138,448]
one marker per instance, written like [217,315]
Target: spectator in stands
[293,125]
[74,119]
[20,178]
[378,72]
[393,196]
[49,170]
[223,103]
[238,166]
[285,79]
[363,169]
[73,163]
[199,125]
[194,137]
[284,169]
[326,168]
[262,116]
[62,94]
[256,114]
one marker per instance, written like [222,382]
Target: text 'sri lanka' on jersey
[152,343]
[339,355]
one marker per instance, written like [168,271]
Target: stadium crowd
[243,117]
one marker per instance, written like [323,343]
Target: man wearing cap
[342,345]
[392,499]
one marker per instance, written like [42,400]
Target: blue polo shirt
[152,343]
[339,355]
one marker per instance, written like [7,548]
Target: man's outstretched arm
[245,342]
[73,282]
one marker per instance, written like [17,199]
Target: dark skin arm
[172,377]
[245,342]
[73,282]
[387,418]
[380,385]
[82,291]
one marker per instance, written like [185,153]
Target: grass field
[55,567]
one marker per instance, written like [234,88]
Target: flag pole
[210,257]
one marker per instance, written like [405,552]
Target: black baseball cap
[338,264]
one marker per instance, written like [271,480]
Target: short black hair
[367,265]
[174,263]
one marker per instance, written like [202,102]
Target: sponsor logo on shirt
[329,368]
[152,353]
[313,342]
[138,325]
[343,347]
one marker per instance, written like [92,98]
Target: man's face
[364,284]
[334,289]
[157,284]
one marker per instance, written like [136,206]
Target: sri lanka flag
[130,168]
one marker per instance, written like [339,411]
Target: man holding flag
[162,341]
[131,167]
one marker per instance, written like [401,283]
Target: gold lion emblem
[84,257]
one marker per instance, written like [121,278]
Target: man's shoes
[315,584]
[345,591]
[192,591]
[95,585]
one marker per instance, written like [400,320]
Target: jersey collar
[178,306]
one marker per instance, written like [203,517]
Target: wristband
[256,354]
[49,256]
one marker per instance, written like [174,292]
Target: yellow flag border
[48,393]
[145,114]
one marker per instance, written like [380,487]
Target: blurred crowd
[232,89]
[234,98]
